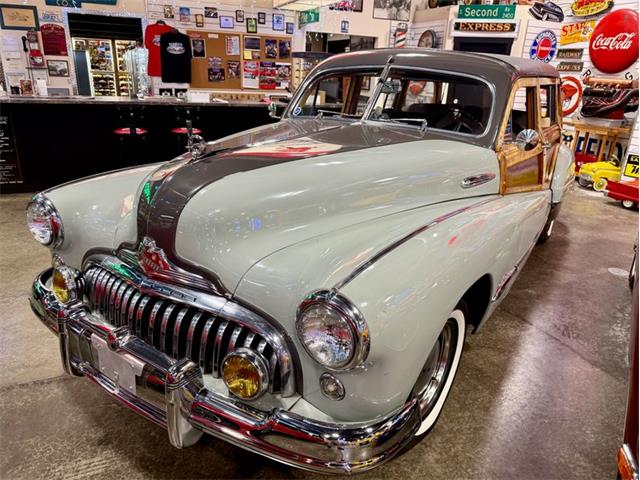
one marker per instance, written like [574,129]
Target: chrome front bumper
[172,394]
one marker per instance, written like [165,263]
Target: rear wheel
[628,204]
[436,377]
[546,231]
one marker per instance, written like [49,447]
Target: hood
[263,190]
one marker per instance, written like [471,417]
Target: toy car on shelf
[598,174]
[626,192]
[303,289]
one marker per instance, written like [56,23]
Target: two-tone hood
[260,191]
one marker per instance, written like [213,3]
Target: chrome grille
[179,330]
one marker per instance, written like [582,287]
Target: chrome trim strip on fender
[369,263]
[477,180]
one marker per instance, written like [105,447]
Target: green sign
[489,12]
[308,16]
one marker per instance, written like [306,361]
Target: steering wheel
[456,119]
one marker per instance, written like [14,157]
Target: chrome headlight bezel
[55,222]
[350,314]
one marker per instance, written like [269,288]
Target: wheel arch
[477,299]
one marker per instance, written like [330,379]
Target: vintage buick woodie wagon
[303,289]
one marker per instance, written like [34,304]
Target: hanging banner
[487,12]
[54,41]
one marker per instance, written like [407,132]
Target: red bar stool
[185,131]
[128,131]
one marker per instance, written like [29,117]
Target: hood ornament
[196,145]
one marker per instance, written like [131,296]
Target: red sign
[54,41]
[614,42]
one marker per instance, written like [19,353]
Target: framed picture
[185,15]
[168,11]
[199,20]
[198,48]
[344,26]
[392,10]
[252,25]
[210,12]
[240,16]
[226,22]
[58,68]
[18,17]
[290,28]
[262,18]
[278,21]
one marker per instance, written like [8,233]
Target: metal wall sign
[614,43]
[487,12]
[588,8]
[575,67]
[474,29]
[570,53]
[576,32]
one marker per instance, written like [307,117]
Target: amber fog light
[331,387]
[66,284]
[245,374]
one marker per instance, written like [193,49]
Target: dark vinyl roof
[488,66]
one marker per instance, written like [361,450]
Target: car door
[526,148]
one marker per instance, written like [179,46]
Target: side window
[522,115]
[548,105]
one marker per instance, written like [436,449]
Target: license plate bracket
[119,367]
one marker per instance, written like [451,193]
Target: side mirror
[273,110]
[527,139]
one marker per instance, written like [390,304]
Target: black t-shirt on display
[175,57]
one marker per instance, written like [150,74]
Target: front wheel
[600,184]
[436,377]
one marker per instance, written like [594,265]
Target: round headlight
[245,373]
[332,331]
[44,222]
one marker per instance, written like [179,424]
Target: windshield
[420,98]
[431,100]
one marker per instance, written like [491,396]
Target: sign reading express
[501,12]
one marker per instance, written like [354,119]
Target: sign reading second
[494,12]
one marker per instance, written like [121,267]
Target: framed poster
[240,16]
[262,18]
[210,12]
[252,25]
[226,22]
[278,21]
[168,11]
[290,28]
[58,68]
[392,10]
[198,48]
[199,20]
[185,15]
[18,17]
[344,26]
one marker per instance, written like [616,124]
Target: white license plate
[120,368]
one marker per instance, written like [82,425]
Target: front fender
[405,296]
[98,212]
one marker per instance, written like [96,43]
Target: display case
[107,68]
[123,77]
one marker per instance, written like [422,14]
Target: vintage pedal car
[598,174]
[303,289]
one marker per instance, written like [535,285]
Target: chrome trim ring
[346,309]
[260,364]
[57,230]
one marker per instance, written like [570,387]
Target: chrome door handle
[476,180]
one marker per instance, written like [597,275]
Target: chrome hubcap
[437,367]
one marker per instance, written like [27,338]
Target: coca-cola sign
[614,42]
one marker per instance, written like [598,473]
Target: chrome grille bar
[182,330]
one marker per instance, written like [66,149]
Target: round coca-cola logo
[614,42]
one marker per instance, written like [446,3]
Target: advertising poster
[198,48]
[251,75]
[284,48]
[283,75]
[54,41]
[268,75]
[233,67]
[216,69]
[271,48]
[232,45]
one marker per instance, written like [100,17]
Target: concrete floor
[540,393]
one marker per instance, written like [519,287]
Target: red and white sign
[614,42]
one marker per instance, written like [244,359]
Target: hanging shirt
[152,41]
[175,57]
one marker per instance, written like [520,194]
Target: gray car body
[385,219]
